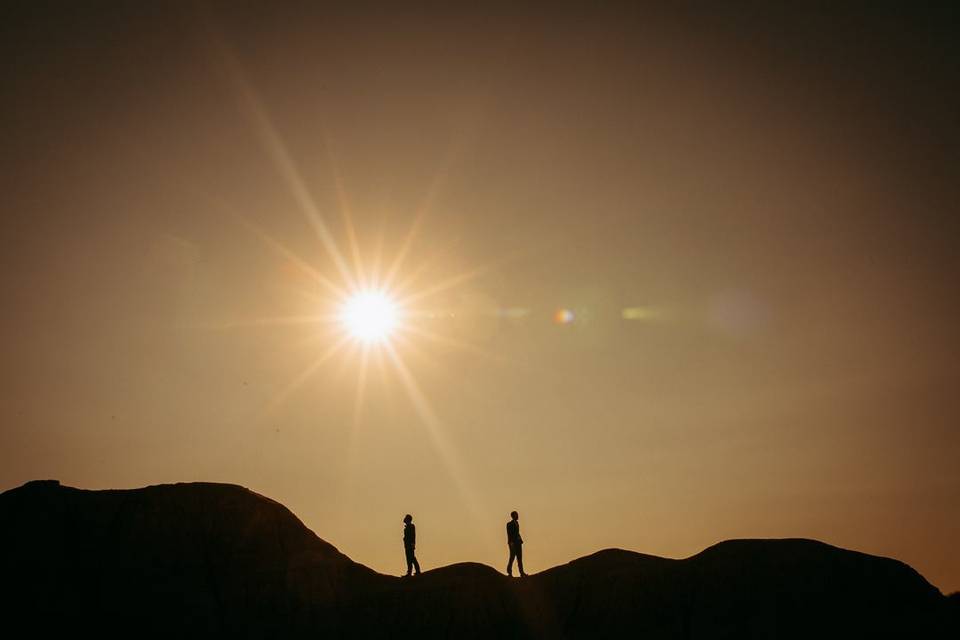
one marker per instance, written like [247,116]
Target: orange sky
[772,193]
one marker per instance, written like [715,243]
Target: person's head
[408,518]
[514,515]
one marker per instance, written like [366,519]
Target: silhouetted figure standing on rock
[515,542]
[410,543]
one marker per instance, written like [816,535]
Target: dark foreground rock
[218,560]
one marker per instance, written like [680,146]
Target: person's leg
[513,554]
[416,565]
[410,559]
[520,559]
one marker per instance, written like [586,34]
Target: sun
[369,316]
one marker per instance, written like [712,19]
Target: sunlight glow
[369,316]
[377,303]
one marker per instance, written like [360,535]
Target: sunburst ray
[346,213]
[444,285]
[447,453]
[285,165]
[264,322]
[414,274]
[456,343]
[303,376]
[299,262]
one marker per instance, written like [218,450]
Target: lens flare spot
[563,316]
[640,313]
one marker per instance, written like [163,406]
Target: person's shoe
[523,575]
[510,574]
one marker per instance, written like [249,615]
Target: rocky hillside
[219,560]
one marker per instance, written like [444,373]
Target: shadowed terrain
[214,559]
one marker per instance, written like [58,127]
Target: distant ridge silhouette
[208,559]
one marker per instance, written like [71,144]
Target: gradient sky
[769,193]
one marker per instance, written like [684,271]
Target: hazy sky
[748,213]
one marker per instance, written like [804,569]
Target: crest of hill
[217,559]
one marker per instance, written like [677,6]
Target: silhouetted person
[410,543]
[515,542]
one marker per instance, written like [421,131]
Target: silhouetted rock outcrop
[213,559]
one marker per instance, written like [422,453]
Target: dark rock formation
[219,560]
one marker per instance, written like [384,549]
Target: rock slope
[218,560]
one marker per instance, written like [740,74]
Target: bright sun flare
[369,316]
